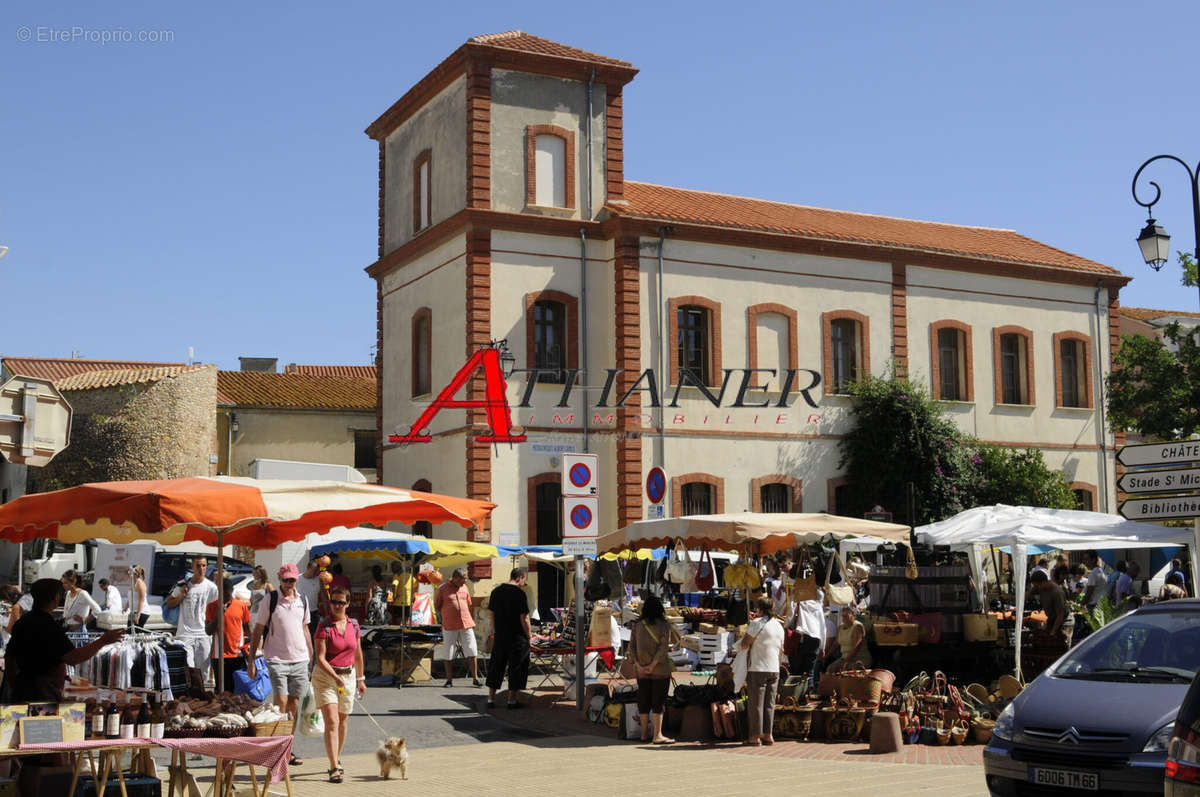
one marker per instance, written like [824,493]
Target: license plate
[1066,778]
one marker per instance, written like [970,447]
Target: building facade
[710,335]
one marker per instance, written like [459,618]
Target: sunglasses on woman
[338,603]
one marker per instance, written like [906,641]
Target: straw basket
[958,732]
[982,730]
[276,728]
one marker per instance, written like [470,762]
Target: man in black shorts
[510,648]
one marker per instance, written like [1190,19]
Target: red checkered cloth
[270,752]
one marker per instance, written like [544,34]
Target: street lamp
[1153,239]
[508,360]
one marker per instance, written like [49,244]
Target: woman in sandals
[764,641]
[649,645]
[337,675]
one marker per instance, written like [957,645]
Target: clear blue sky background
[217,190]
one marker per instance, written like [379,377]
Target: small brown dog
[392,752]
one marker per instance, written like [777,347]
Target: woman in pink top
[339,657]
[452,602]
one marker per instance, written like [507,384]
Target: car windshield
[1159,644]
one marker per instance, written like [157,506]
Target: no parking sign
[579,474]
[579,516]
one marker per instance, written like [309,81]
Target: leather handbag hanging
[804,587]
[705,576]
[634,572]
[841,594]
[679,567]
[660,572]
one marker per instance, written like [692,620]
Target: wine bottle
[112,721]
[143,722]
[128,721]
[158,720]
[89,711]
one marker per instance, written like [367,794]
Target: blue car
[1099,720]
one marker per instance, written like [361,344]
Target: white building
[504,213]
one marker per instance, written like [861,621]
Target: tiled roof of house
[91,380]
[297,391]
[662,203]
[1147,314]
[55,369]
[528,43]
[361,371]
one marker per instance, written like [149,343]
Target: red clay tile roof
[298,391]
[528,43]
[662,203]
[91,380]
[1146,314]
[361,371]
[60,368]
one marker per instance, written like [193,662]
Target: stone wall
[154,430]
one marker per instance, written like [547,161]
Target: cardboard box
[709,628]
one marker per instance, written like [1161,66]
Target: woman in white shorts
[337,676]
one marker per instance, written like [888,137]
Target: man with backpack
[282,624]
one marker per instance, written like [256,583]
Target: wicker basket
[227,732]
[184,733]
[276,728]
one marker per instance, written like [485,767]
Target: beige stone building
[505,214]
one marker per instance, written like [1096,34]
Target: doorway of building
[548,531]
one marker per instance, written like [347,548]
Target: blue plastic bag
[170,616]
[259,688]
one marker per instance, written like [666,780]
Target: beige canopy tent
[769,531]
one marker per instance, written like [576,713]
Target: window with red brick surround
[1083,354]
[570,306]
[422,351]
[966,359]
[568,137]
[714,336]
[423,527]
[715,482]
[998,333]
[752,314]
[861,366]
[1086,494]
[422,195]
[794,485]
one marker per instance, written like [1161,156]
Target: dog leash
[363,706]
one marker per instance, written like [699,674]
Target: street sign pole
[579,479]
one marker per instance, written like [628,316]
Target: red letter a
[495,402]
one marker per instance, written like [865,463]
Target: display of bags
[862,686]
[706,577]
[634,572]
[804,586]
[841,594]
[896,634]
[929,625]
[680,569]
[980,627]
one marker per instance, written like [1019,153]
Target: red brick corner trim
[571,325]
[714,336]
[531,485]
[1056,354]
[677,483]
[936,361]
[479,323]
[752,314]
[424,314]
[756,486]
[627,342]
[864,344]
[997,380]
[614,144]
[425,156]
[1088,487]
[479,134]
[568,137]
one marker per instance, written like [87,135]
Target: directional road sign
[35,421]
[1160,481]
[1177,452]
[1171,506]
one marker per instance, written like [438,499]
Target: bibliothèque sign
[741,389]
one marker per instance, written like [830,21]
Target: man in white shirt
[1097,581]
[192,597]
[308,585]
[110,597]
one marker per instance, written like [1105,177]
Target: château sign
[1178,452]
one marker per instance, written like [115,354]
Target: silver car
[1099,720]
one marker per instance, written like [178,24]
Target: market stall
[1020,527]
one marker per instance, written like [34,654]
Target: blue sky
[216,190]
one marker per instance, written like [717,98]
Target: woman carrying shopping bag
[764,643]
[339,659]
[649,645]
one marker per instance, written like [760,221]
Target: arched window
[1013,353]
[422,349]
[550,166]
[847,356]
[775,493]
[423,528]
[696,331]
[1085,496]
[551,330]
[697,494]
[1072,370]
[952,362]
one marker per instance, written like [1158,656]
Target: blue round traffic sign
[580,474]
[581,517]
[656,485]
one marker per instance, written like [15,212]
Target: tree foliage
[901,436]
[1154,391]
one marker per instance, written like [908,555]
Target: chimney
[266,365]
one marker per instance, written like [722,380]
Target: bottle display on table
[112,721]
[158,720]
[143,722]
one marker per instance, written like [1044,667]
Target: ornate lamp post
[1153,239]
